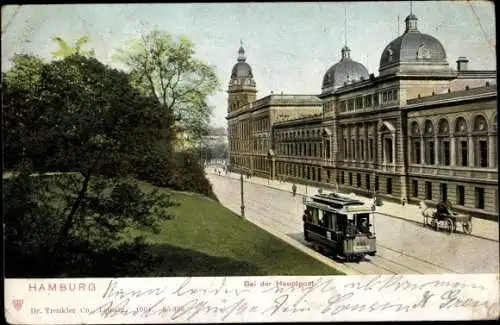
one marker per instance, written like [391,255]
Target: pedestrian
[320,190]
[403,202]
[294,189]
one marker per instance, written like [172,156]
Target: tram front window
[362,221]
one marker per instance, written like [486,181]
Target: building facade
[419,131]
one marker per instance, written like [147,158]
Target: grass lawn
[207,239]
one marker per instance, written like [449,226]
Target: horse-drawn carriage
[443,218]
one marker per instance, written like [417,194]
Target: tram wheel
[448,225]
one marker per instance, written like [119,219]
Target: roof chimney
[462,63]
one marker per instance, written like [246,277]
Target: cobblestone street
[404,246]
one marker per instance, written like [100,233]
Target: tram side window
[321,219]
[327,219]
[315,216]
[341,222]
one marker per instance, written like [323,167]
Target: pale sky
[289,45]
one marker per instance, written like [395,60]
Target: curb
[382,213]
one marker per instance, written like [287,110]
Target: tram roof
[336,199]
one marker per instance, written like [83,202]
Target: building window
[359,102]
[376,183]
[388,150]
[327,145]
[479,198]
[460,195]
[483,153]
[414,187]
[353,150]
[362,149]
[384,97]
[342,106]
[315,151]
[309,149]
[395,94]
[446,153]
[350,179]
[430,153]
[368,101]
[376,99]
[350,104]
[346,152]
[367,181]
[313,174]
[321,150]
[342,176]
[463,153]
[444,192]
[418,153]
[359,180]
[328,176]
[428,190]
[389,186]
[370,149]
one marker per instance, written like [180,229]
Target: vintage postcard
[250,162]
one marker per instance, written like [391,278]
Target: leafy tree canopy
[81,116]
[65,50]
[167,69]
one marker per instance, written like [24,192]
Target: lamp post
[241,190]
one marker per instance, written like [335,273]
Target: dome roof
[241,69]
[413,47]
[346,70]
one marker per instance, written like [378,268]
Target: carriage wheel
[448,224]
[467,227]
[434,224]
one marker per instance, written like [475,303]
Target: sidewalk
[481,228]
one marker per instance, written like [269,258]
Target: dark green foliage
[35,211]
[77,115]
[180,171]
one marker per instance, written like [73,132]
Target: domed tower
[242,89]
[344,72]
[413,53]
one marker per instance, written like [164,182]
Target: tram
[339,225]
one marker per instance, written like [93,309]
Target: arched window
[416,152]
[480,140]
[460,126]
[462,142]
[429,144]
[444,142]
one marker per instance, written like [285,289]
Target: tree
[65,50]
[167,69]
[21,99]
[85,116]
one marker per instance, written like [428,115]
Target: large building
[419,131]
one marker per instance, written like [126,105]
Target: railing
[449,171]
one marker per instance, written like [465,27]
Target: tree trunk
[63,235]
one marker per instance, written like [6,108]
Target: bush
[35,213]
[180,171]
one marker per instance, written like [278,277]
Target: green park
[97,185]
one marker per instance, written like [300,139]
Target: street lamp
[241,190]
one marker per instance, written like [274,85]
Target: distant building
[421,130]
[216,136]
